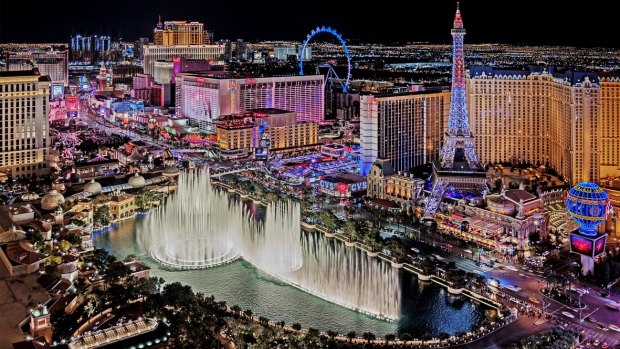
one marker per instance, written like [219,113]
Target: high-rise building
[91,48]
[155,53]
[204,97]
[405,128]
[541,115]
[54,64]
[172,33]
[458,168]
[239,134]
[138,48]
[24,123]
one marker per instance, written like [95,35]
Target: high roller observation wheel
[337,35]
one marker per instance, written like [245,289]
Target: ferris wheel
[331,74]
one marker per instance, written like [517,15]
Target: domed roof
[92,187]
[136,181]
[589,205]
[66,268]
[171,171]
[135,156]
[12,235]
[499,204]
[30,196]
[52,200]
[59,184]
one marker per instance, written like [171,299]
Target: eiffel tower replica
[458,168]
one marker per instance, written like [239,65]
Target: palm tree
[235,309]
[248,313]
[405,337]
[389,337]
[296,326]
[351,335]
[332,334]
[369,336]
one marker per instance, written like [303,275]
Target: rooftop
[13,73]
[347,178]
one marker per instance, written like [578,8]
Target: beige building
[609,125]
[122,206]
[236,133]
[180,33]
[612,188]
[24,123]
[165,53]
[397,187]
[405,128]
[569,120]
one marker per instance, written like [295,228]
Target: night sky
[521,22]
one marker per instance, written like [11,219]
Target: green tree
[235,309]
[296,326]
[398,250]
[178,295]
[369,336]
[371,241]
[101,216]
[67,205]
[389,337]
[351,335]
[101,199]
[64,245]
[350,231]
[328,220]
[405,337]
[248,313]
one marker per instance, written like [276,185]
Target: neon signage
[581,245]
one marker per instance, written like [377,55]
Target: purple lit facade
[203,97]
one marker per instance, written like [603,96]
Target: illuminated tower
[459,168]
[102,77]
[589,206]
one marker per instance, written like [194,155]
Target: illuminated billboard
[261,153]
[72,103]
[599,245]
[57,92]
[581,245]
[587,246]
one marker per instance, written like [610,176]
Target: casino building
[204,97]
[239,134]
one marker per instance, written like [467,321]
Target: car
[568,315]
[533,300]
[415,250]
[510,267]
[604,345]
[613,305]
[513,288]
[614,328]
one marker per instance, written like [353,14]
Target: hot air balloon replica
[588,204]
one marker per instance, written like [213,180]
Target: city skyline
[258,22]
[343,195]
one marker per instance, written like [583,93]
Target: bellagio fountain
[202,227]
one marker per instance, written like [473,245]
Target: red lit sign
[71,102]
[200,80]
[342,188]
[250,81]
